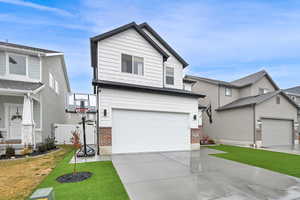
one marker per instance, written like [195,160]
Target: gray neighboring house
[33,86]
[294,94]
[248,111]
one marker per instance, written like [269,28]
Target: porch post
[28,137]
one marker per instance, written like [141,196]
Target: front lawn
[19,177]
[279,162]
[104,184]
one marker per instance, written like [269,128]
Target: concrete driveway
[194,175]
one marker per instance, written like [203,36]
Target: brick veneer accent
[105,136]
[196,134]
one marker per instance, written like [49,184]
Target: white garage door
[276,132]
[143,131]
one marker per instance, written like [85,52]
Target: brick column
[105,140]
[196,134]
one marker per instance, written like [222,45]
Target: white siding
[2,63]
[120,99]
[129,42]
[34,67]
[171,62]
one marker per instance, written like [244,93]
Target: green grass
[104,184]
[279,162]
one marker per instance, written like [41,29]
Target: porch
[20,118]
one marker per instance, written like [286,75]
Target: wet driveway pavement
[194,175]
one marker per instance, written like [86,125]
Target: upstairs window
[169,75]
[263,91]
[132,64]
[228,91]
[17,64]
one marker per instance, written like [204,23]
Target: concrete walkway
[195,175]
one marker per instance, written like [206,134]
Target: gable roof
[94,40]
[239,83]
[293,90]
[12,45]
[253,100]
[164,43]
[253,78]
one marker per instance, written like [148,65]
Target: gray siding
[34,67]
[271,109]
[53,104]
[263,83]
[232,125]
[2,63]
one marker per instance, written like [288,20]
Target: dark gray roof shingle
[26,47]
[293,90]
[252,100]
[250,79]
[127,86]
[19,85]
[214,81]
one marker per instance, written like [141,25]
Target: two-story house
[248,111]
[33,85]
[294,94]
[143,106]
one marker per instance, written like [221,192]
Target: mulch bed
[33,154]
[72,178]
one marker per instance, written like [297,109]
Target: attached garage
[277,132]
[148,131]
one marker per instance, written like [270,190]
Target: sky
[220,39]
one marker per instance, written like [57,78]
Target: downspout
[98,121]
[254,126]
[218,95]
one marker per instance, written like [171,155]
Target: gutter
[54,54]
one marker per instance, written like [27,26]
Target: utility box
[43,194]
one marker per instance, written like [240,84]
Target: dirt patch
[19,177]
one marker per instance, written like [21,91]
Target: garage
[148,131]
[276,132]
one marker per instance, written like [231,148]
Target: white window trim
[132,65]
[228,89]
[169,76]
[16,77]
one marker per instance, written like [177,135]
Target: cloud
[6,17]
[38,7]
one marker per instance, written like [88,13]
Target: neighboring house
[294,94]
[247,111]
[143,105]
[33,86]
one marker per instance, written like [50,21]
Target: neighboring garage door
[144,131]
[276,132]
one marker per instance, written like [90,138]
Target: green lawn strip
[279,162]
[104,184]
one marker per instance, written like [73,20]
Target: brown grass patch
[19,177]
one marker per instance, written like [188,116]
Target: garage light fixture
[195,117]
[104,112]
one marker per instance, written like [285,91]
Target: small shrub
[26,150]
[42,148]
[50,143]
[10,151]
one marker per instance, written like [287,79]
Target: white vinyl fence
[63,133]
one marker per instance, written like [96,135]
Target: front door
[15,121]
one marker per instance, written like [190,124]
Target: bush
[10,151]
[42,148]
[50,143]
